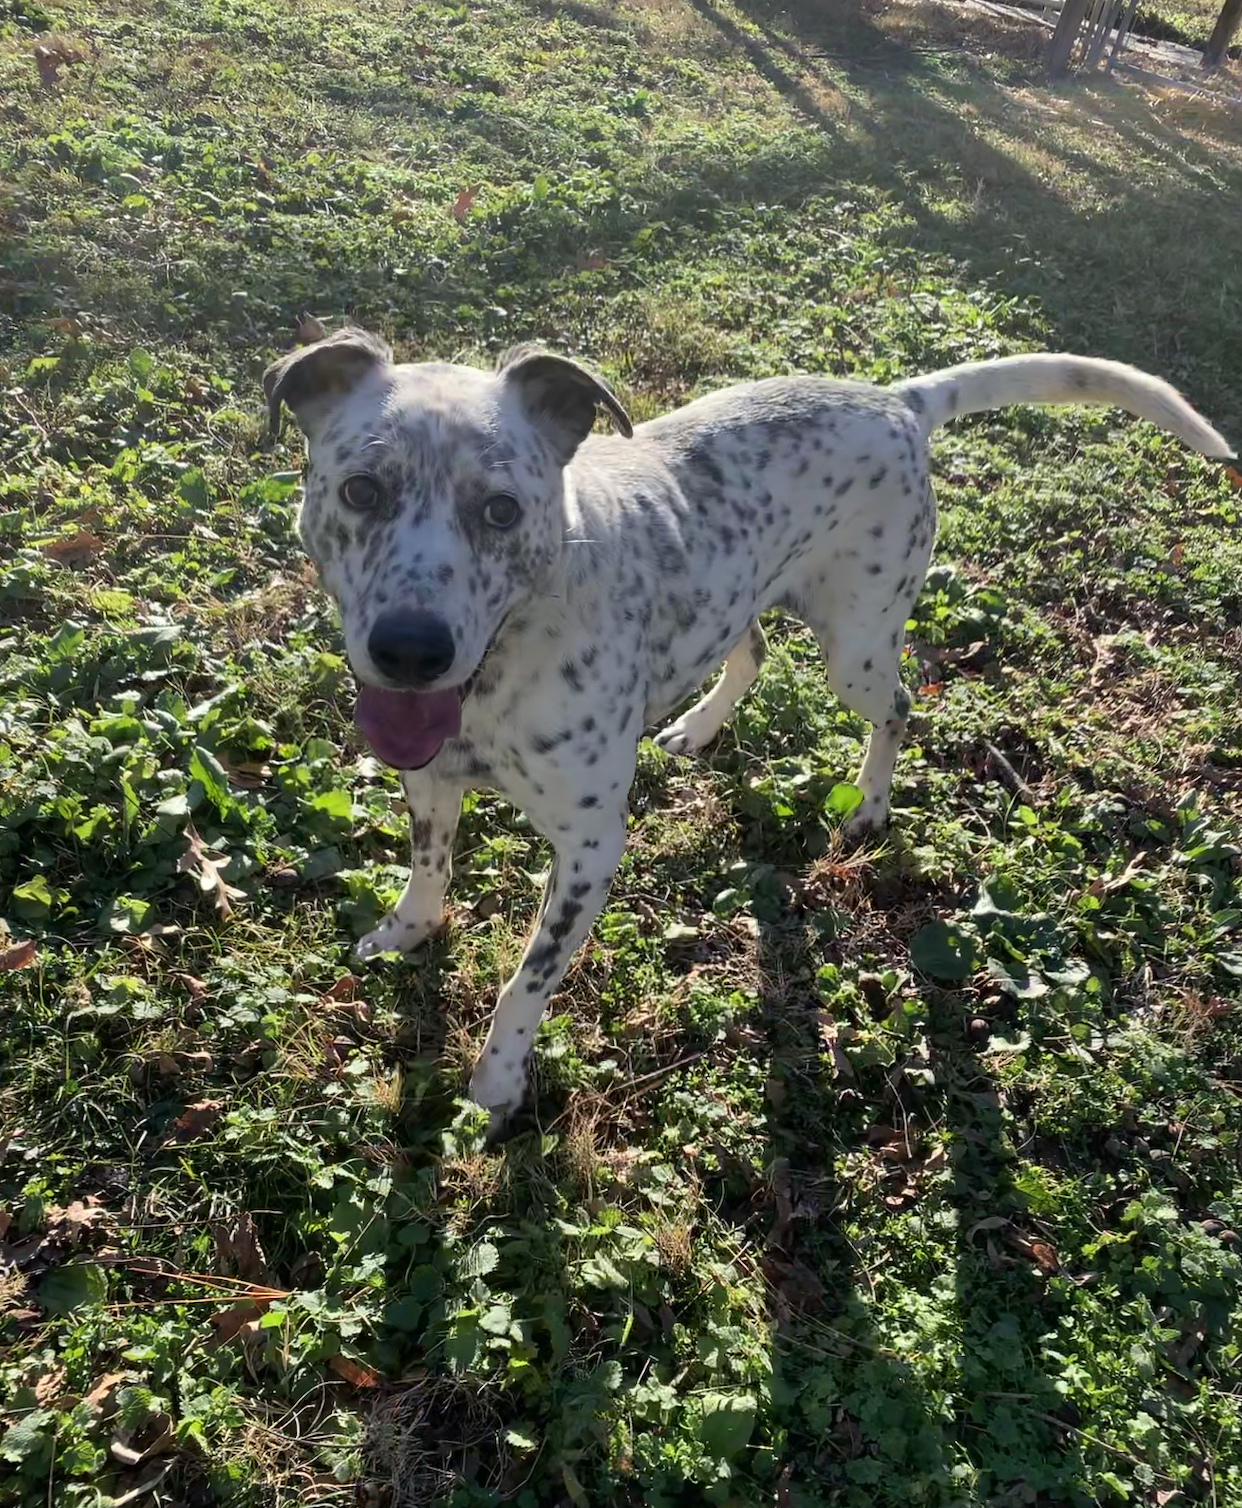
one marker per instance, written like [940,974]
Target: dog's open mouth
[406,728]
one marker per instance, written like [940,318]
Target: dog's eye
[501,511]
[361,492]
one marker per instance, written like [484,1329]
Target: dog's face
[433,505]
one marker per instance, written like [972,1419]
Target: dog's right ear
[305,378]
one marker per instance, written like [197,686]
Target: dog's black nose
[412,648]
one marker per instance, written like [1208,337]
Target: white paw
[394,935]
[685,736]
[869,821]
[498,1083]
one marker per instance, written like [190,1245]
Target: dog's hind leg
[435,808]
[864,672]
[695,729]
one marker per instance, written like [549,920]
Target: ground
[907,1175]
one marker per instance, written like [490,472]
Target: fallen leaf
[50,1386]
[196,988]
[1039,1252]
[308,330]
[1234,475]
[5,1221]
[196,861]
[354,1373]
[197,1119]
[991,1222]
[1175,555]
[463,202]
[345,988]
[73,549]
[71,1224]
[1183,1351]
[250,774]
[100,1396]
[829,1037]
[193,1062]
[53,54]
[20,956]
[238,1252]
[229,1323]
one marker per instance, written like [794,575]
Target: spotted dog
[520,598]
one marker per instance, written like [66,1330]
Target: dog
[521,598]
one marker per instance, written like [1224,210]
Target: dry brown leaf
[991,1222]
[462,204]
[309,330]
[830,1041]
[50,1386]
[1039,1252]
[100,1396]
[237,1318]
[74,549]
[250,774]
[5,1221]
[20,956]
[794,1282]
[238,1251]
[1234,475]
[354,1373]
[196,988]
[345,988]
[194,1062]
[51,55]
[71,1224]
[197,1119]
[197,862]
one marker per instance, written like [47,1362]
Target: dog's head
[433,505]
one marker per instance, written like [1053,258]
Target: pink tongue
[406,728]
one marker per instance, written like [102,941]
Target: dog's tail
[982,385]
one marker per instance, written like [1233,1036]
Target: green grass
[902,1177]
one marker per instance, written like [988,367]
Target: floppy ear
[330,367]
[560,397]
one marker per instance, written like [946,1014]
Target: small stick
[1008,775]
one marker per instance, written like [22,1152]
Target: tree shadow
[964,1403]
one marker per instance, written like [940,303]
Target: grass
[908,1176]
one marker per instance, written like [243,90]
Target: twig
[142,1488]
[1007,774]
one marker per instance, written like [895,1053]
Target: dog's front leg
[586,860]
[435,807]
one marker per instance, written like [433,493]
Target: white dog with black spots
[521,598]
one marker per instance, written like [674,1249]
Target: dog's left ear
[305,379]
[560,397]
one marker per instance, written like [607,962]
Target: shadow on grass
[966,1408]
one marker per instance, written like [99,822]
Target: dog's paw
[867,824]
[395,935]
[498,1084]
[684,737]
